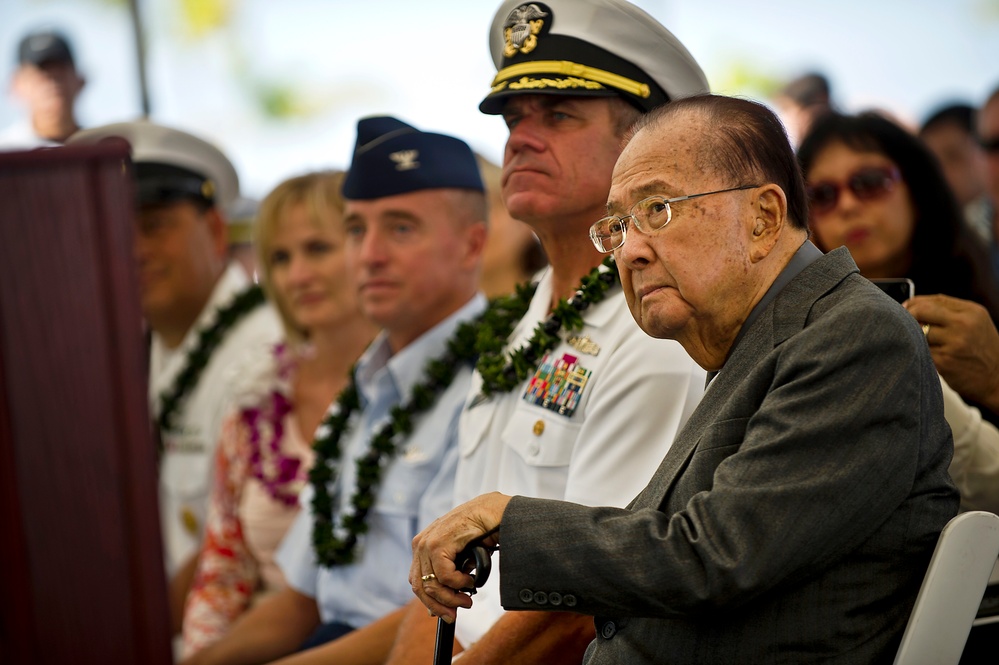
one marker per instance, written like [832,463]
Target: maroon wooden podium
[81,571]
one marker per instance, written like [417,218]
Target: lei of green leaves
[483,338]
[197,358]
[502,373]
[332,550]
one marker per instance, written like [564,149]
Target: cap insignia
[521,29]
[405,160]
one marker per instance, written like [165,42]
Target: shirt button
[569,600]
[539,428]
[540,597]
[555,598]
[526,596]
[608,630]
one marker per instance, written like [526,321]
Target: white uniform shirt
[21,136]
[187,465]
[639,393]
[416,487]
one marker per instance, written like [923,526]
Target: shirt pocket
[186,468]
[540,437]
[410,473]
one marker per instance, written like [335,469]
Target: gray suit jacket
[793,518]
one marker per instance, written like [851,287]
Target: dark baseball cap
[38,48]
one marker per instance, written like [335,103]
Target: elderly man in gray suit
[793,518]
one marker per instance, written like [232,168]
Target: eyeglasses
[867,184]
[648,215]
[989,145]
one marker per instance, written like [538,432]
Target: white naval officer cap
[598,48]
[171,164]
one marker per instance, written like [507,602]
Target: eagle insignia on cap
[405,160]
[521,29]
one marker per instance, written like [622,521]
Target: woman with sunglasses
[876,189]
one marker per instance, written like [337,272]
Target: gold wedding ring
[427,578]
[926,329]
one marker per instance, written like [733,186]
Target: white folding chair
[951,591]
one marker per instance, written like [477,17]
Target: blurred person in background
[951,134]
[204,318]
[801,101]
[988,138]
[513,253]
[47,83]
[876,189]
[265,451]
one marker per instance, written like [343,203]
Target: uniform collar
[406,367]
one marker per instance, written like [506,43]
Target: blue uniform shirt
[415,489]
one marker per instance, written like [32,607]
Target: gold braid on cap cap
[567,68]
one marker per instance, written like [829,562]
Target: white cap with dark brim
[584,48]
[171,163]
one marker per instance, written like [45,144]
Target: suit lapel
[758,340]
[783,318]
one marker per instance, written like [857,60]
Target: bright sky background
[325,63]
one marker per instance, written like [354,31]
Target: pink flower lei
[280,474]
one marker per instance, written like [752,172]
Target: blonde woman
[265,451]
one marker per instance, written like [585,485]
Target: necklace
[503,372]
[336,544]
[484,338]
[197,358]
[279,473]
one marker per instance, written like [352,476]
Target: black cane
[475,558]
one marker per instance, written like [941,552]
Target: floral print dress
[261,465]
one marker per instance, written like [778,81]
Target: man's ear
[770,209]
[475,244]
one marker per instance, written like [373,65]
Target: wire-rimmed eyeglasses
[650,214]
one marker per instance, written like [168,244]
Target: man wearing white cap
[573,401]
[387,450]
[203,314]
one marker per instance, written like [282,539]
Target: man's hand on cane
[433,576]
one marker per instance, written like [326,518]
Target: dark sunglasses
[990,145]
[867,184]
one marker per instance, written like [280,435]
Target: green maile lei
[332,550]
[483,338]
[503,372]
[197,359]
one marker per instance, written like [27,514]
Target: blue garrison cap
[391,157]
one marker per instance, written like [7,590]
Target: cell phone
[900,288]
